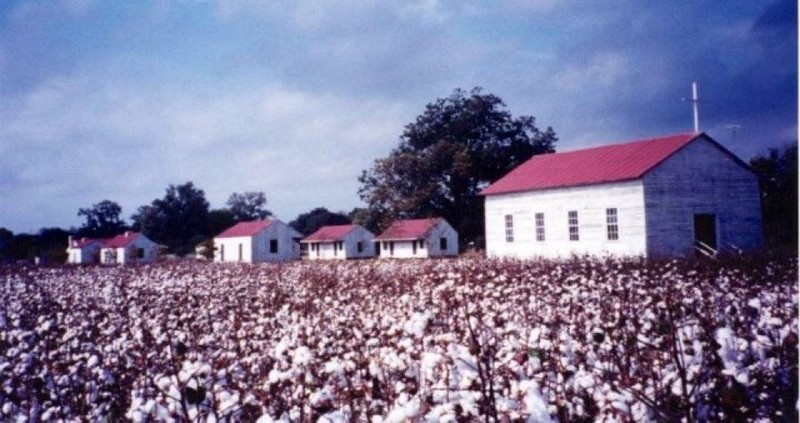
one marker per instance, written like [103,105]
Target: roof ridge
[594,165]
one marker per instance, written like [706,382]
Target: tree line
[457,146]
[181,220]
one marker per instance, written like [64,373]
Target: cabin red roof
[611,163]
[245,228]
[330,233]
[122,240]
[408,229]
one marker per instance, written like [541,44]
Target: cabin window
[335,248]
[422,244]
[240,252]
[509,228]
[360,246]
[573,225]
[391,248]
[612,225]
[140,253]
[539,226]
[443,244]
[222,252]
[414,247]
[273,246]
[340,244]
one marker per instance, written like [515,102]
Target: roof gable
[122,240]
[408,229]
[611,163]
[330,233]
[246,228]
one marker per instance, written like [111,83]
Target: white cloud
[603,70]
[85,138]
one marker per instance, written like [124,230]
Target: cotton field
[395,341]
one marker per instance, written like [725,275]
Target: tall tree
[219,220]
[457,146]
[777,178]
[308,223]
[51,245]
[248,206]
[179,220]
[102,220]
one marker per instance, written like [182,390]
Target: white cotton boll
[227,400]
[163,383]
[302,356]
[405,412]
[428,363]
[334,367]
[93,361]
[334,417]
[406,343]
[417,324]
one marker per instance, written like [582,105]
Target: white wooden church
[664,197]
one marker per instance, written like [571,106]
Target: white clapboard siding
[433,241]
[662,186]
[590,202]
[701,178]
[428,245]
[256,248]
[329,250]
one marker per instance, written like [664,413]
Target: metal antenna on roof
[696,113]
[695,100]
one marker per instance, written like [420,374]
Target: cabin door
[705,229]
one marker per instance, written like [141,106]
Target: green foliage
[102,220]
[308,223]
[455,148]
[248,206]
[219,220]
[777,178]
[49,245]
[178,220]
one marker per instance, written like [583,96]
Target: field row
[389,341]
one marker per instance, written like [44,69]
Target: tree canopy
[456,147]
[777,179]
[248,206]
[102,220]
[308,223]
[179,220]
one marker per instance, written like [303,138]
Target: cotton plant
[378,341]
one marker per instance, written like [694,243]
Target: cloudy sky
[117,100]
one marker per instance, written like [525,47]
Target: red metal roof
[245,228]
[330,233]
[611,163]
[122,240]
[408,229]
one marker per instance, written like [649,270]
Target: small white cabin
[418,238]
[672,196]
[84,250]
[340,242]
[257,241]
[130,247]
